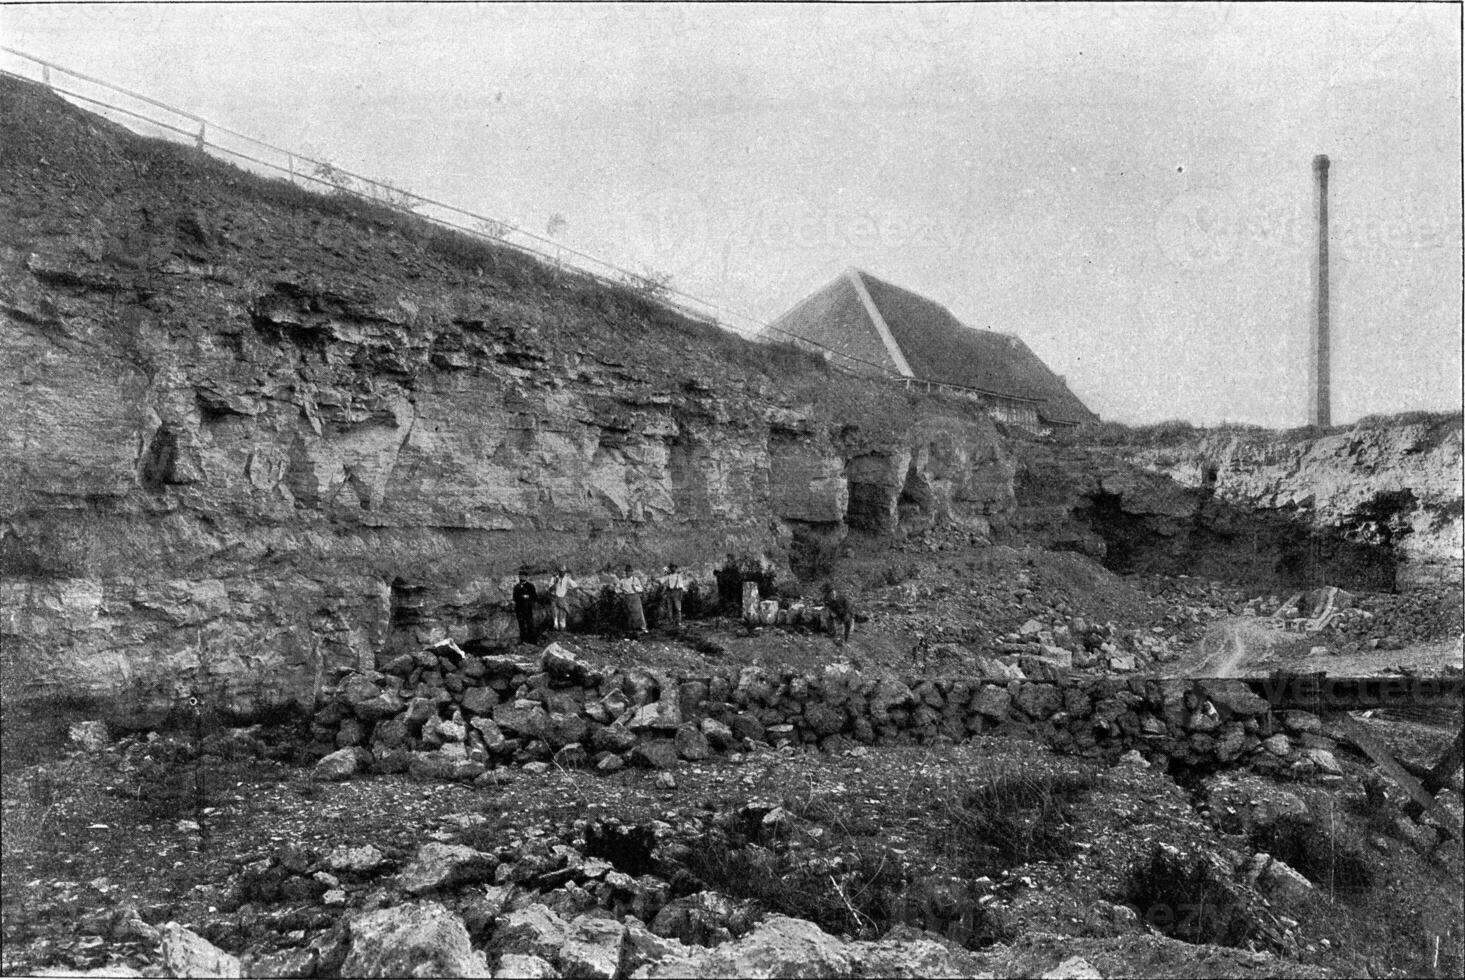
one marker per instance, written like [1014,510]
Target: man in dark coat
[839,612]
[525,596]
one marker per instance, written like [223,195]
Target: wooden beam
[1435,778]
[1354,731]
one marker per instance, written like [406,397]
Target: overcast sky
[1127,187]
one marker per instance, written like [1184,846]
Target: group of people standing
[629,587]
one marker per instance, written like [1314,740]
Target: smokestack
[1319,367]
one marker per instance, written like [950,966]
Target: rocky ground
[210,849]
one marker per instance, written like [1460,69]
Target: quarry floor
[84,837]
[146,824]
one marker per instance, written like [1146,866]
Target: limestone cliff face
[243,425]
[1397,485]
[1377,506]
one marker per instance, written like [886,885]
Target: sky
[1128,187]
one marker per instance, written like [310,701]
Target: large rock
[656,753]
[534,930]
[480,700]
[1039,701]
[889,693]
[341,764]
[355,860]
[1279,880]
[1235,697]
[522,966]
[562,663]
[911,958]
[592,948]
[691,744]
[720,736]
[524,718]
[1325,761]
[705,918]
[565,729]
[438,866]
[384,705]
[187,954]
[414,940]
[642,947]
[823,719]
[664,715]
[1074,968]
[992,701]
[612,738]
[778,947]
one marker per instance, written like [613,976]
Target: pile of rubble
[1373,621]
[457,911]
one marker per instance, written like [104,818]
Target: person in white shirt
[630,589]
[559,593]
[674,586]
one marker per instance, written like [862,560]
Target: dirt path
[1250,645]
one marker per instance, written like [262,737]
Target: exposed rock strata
[1378,506]
[1397,485]
[250,425]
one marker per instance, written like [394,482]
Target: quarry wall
[246,421]
[247,426]
[1393,483]
[1377,506]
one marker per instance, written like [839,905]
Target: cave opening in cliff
[1123,533]
[872,507]
[917,499]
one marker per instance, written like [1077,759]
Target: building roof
[897,331]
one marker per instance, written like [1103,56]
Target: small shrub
[1016,819]
[1183,897]
[698,603]
[604,615]
[732,575]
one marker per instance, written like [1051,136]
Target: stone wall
[440,713]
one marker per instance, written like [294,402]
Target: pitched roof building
[878,328]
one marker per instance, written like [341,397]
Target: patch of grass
[1330,861]
[1016,819]
[1185,898]
[855,897]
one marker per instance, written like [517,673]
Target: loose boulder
[592,948]
[414,940]
[341,764]
[187,954]
[444,866]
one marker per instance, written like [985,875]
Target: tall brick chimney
[1319,366]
